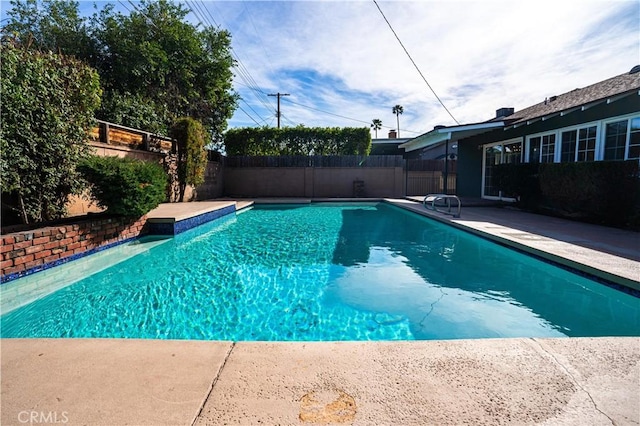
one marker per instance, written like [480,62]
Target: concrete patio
[568,381]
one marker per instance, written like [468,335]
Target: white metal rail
[430,201]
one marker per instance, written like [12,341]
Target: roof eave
[441,135]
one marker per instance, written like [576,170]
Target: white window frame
[603,130]
[519,140]
[577,129]
[556,151]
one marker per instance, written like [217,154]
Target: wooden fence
[428,177]
[115,134]
[336,161]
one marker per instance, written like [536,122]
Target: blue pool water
[326,272]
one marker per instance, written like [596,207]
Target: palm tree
[376,124]
[397,110]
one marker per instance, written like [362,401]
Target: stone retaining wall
[30,251]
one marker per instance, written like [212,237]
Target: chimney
[392,134]
[504,112]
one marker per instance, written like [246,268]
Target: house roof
[442,134]
[604,91]
[608,91]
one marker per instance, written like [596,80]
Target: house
[593,123]
[388,146]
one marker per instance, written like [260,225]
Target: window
[634,139]
[507,152]
[568,147]
[579,144]
[547,152]
[534,149]
[615,140]
[587,144]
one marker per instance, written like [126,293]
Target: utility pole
[278,96]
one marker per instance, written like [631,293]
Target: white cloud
[478,56]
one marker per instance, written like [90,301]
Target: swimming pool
[323,272]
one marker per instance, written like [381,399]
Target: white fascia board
[452,133]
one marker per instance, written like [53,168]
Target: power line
[414,64]
[205,18]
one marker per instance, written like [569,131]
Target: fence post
[145,141]
[104,133]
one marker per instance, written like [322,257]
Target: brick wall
[30,251]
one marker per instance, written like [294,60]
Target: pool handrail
[433,198]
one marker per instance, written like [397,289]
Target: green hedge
[298,140]
[48,102]
[606,192]
[125,186]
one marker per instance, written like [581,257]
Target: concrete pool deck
[568,381]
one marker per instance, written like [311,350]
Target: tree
[48,101]
[376,124]
[397,110]
[152,60]
[192,156]
[156,54]
[52,26]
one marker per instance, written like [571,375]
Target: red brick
[66,254]
[66,241]
[6,247]
[23,259]
[8,239]
[6,263]
[52,245]
[51,258]
[62,230]
[73,246]
[33,263]
[79,250]
[41,254]
[46,232]
[57,251]
[15,253]
[14,269]
[34,249]
[23,244]
[40,240]
[72,234]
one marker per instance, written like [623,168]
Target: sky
[342,65]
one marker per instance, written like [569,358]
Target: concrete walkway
[569,381]
[492,381]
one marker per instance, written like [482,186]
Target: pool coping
[569,381]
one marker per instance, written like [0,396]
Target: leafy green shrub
[606,192]
[602,191]
[125,186]
[298,140]
[190,139]
[519,181]
[48,102]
